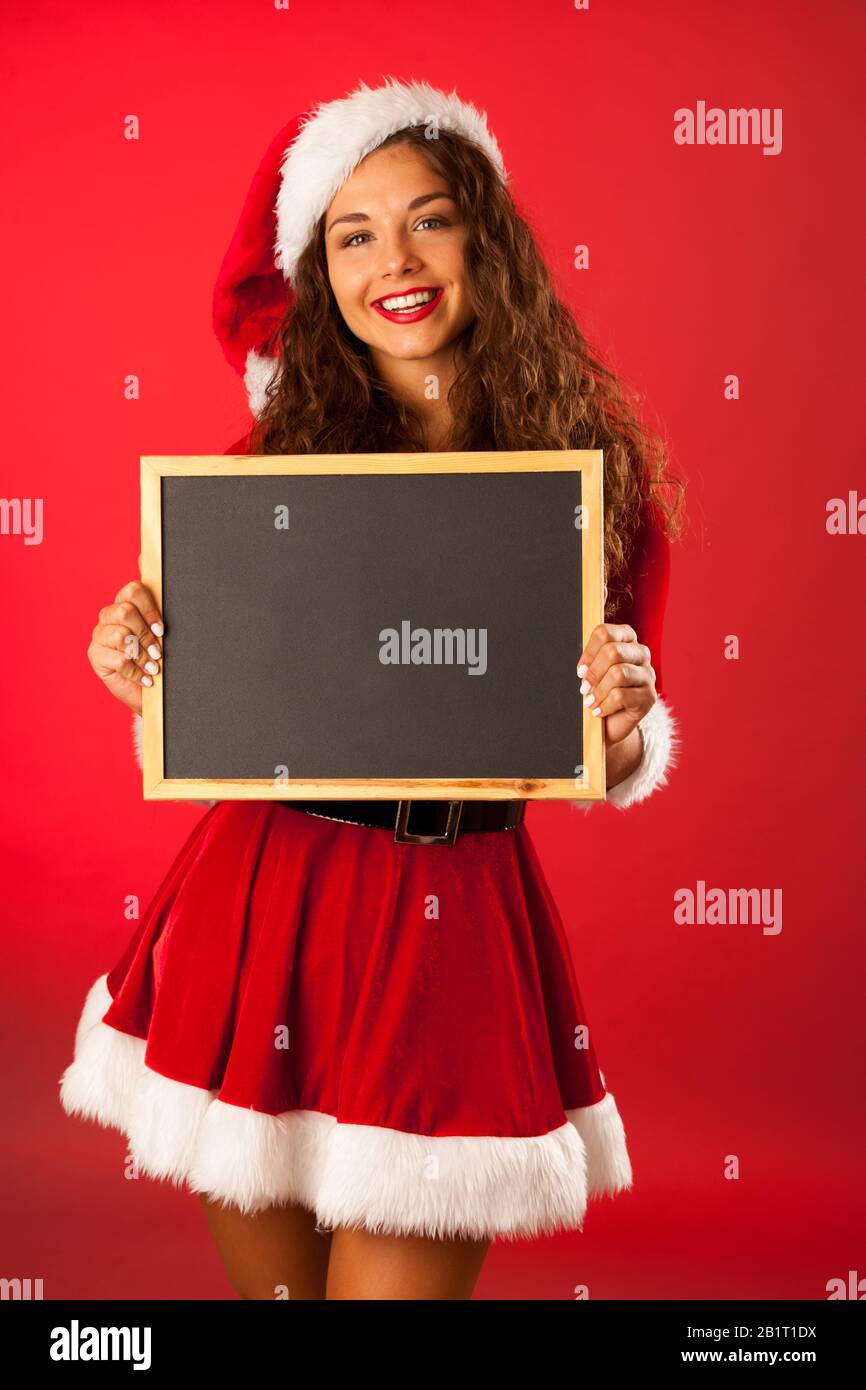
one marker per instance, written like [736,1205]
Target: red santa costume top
[391,1035]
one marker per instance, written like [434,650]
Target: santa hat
[303,168]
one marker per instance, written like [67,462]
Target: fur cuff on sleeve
[139,755]
[661,746]
[137,738]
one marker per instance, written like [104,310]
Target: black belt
[433,822]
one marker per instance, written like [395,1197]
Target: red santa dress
[389,1034]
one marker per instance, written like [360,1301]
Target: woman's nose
[397,255]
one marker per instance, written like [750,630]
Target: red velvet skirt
[390,1035]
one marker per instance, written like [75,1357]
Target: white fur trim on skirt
[383,1180]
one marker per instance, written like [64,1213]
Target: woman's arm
[639,763]
[658,751]
[239,447]
[624,758]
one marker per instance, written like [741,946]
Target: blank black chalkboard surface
[373,626]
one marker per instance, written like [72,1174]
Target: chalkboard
[373,626]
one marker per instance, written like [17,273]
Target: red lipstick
[410,315]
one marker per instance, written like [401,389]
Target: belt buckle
[404,836]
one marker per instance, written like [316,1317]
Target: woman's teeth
[408,301]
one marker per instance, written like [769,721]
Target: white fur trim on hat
[337,135]
[661,747]
[383,1180]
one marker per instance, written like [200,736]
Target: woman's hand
[124,651]
[617,679]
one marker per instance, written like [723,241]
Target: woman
[362,1093]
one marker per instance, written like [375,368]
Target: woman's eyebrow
[415,203]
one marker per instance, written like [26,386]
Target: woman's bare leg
[367,1266]
[271,1254]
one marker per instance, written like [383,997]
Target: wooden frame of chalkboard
[185,503]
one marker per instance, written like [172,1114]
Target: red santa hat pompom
[304,167]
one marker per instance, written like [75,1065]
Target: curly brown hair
[528,381]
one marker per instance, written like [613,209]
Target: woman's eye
[355,241]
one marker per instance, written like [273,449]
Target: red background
[704,261]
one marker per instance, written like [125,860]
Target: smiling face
[394,234]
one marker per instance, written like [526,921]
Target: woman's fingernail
[582,670]
[152,667]
[145,680]
[597,709]
[584,687]
[157,629]
[588,701]
[153,650]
